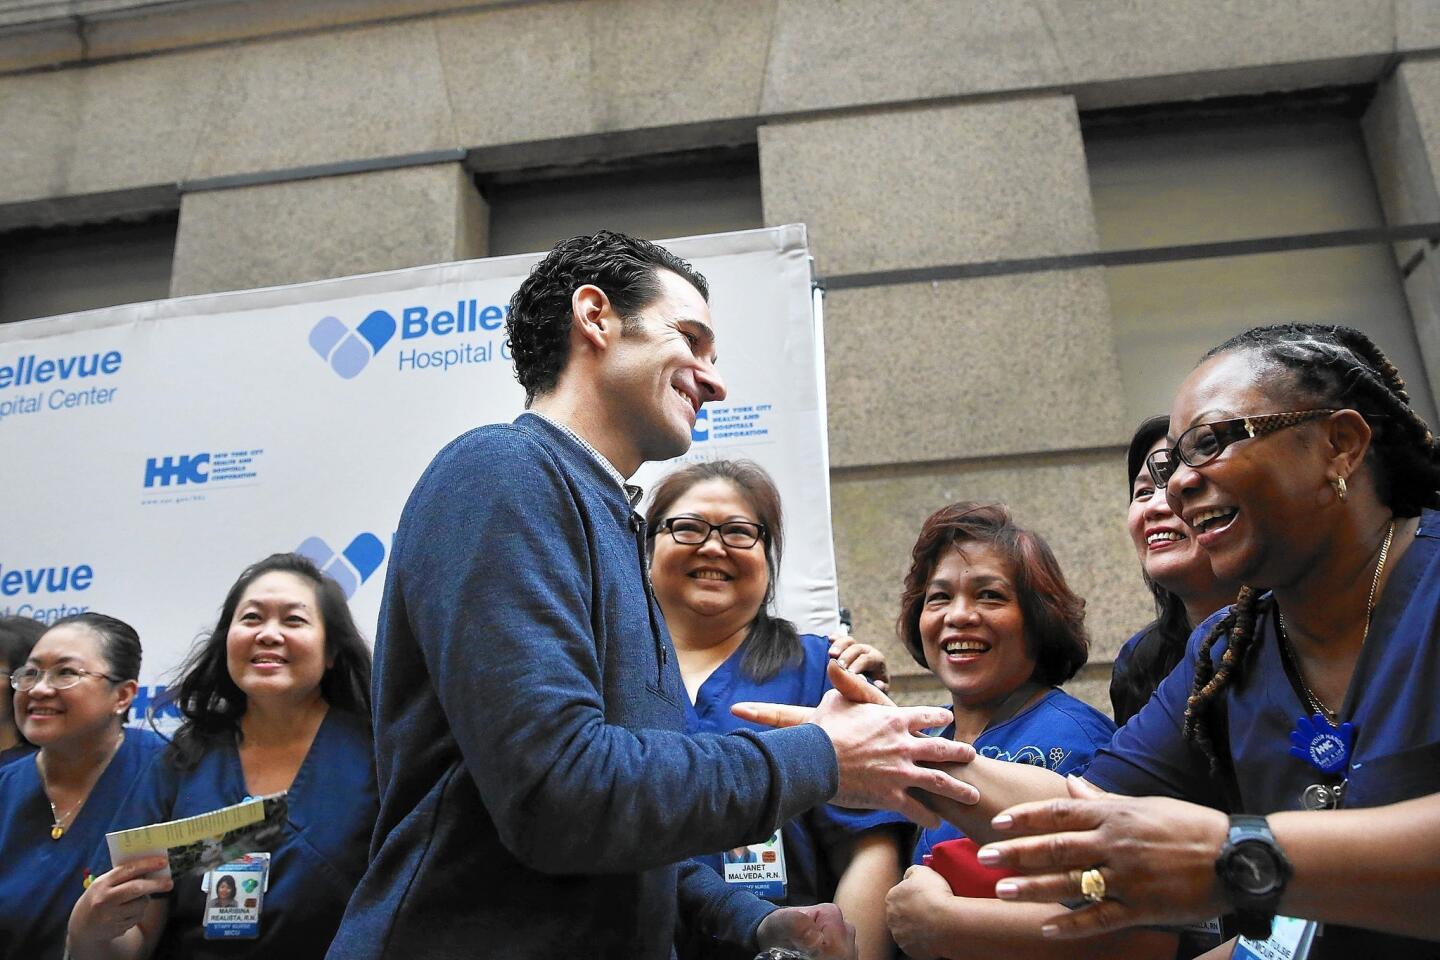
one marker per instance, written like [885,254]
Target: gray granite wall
[929,132]
[1004,387]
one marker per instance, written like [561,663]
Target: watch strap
[1254,913]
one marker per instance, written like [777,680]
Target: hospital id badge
[1290,939]
[234,898]
[759,867]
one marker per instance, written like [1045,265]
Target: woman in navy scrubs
[987,609]
[275,699]
[72,695]
[17,636]
[1298,464]
[716,545]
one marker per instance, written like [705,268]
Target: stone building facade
[936,149]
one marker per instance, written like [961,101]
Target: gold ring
[1092,885]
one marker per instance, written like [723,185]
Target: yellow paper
[159,837]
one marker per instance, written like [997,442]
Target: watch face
[1252,869]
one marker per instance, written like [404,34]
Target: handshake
[885,760]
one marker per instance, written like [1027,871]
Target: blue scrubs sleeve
[1150,756]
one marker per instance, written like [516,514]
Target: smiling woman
[276,698]
[72,695]
[1176,570]
[1314,693]
[717,536]
[986,608]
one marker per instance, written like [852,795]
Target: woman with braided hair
[1300,467]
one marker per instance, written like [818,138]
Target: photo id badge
[1290,939]
[759,868]
[234,897]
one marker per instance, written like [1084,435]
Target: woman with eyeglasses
[72,695]
[276,698]
[716,545]
[1175,569]
[1303,471]
[17,638]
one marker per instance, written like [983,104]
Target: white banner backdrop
[151,451]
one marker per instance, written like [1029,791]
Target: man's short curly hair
[538,327]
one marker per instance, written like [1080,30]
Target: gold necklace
[1313,701]
[61,824]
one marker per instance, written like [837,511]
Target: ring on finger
[1092,885]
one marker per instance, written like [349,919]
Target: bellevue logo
[350,351]
[48,579]
[352,566]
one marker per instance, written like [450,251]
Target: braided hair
[1328,366]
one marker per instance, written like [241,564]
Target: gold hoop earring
[1341,490]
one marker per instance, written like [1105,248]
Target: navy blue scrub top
[41,878]
[18,752]
[332,811]
[1393,701]
[809,879]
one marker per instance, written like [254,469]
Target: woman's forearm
[976,929]
[1377,868]
[130,945]
[873,868]
[1002,785]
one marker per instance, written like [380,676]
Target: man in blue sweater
[538,794]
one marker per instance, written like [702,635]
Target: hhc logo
[179,470]
[701,430]
[349,568]
[350,351]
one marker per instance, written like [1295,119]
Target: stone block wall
[319,138]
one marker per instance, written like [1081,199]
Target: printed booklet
[207,840]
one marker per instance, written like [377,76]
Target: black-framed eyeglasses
[1206,441]
[60,678]
[740,534]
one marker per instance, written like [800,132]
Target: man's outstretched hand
[881,750]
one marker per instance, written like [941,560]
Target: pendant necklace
[62,823]
[1322,740]
[58,829]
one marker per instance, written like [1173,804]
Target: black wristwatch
[1253,872]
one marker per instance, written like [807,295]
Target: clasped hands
[885,762]
[1156,855]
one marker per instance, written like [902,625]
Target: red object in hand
[955,861]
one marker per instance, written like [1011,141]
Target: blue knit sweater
[536,784]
